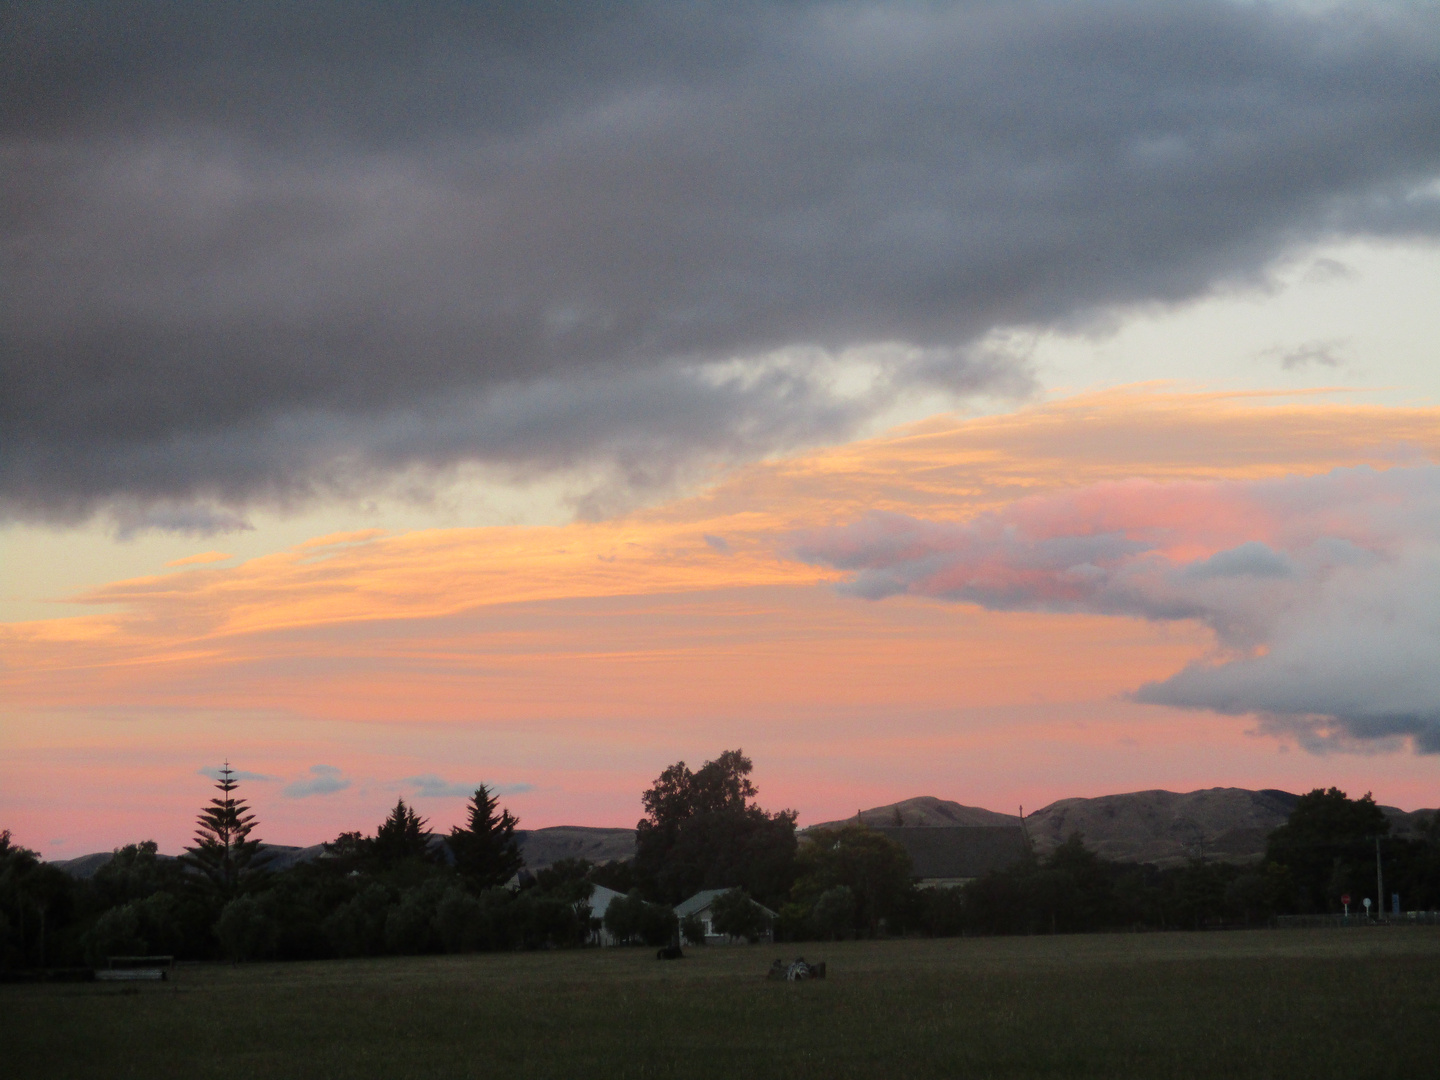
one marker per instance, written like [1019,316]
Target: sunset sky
[998,402]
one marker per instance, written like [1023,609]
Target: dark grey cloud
[264,252]
[1328,631]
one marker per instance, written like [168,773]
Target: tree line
[407,890]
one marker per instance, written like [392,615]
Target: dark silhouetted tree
[223,852]
[485,850]
[703,830]
[1328,847]
[401,836]
[734,914]
[873,867]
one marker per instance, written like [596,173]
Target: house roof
[958,851]
[704,898]
[599,901]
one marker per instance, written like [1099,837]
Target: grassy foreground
[1352,1004]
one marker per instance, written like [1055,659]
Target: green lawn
[1304,1004]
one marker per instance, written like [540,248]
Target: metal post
[1379,880]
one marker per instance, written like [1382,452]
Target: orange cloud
[717,544]
[200,559]
[560,651]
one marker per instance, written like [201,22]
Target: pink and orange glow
[569,664]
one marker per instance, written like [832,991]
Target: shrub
[692,929]
[658,925]
[942,912]
[459,921]
[357,927]
[736,915]
[115,933]
[246,931]
[834,912]
[409,924]
[623,916]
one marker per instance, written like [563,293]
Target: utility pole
[1379,879]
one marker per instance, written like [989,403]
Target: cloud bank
[1323,592]
[264,252]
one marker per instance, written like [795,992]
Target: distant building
[949,855]
[700,904]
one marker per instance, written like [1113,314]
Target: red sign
[1345,899]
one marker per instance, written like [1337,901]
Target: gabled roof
[704,898]
[958,851]
[599,901]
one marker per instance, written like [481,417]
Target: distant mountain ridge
[539,847]
[924,810]
[1162,827]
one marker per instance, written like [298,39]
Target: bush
[246,931]
[623,917]
[942,912]
[459,921]
[409,925]
[795,923]
[692,929]
[629,917]
[658,925]
[115,933]
[834,912]
[357,927]
[736,915]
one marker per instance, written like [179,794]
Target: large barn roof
[958,851]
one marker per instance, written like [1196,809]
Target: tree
[734,914]
[1328,846]
[703,830]
[873,867]
[401,836]
[624,916]
[486,851]
[223,851]
[692,929]
[833,915]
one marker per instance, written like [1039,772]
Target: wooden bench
[136,969]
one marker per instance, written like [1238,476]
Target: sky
[1003,402]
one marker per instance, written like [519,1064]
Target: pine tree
[223,851]
[401,836]
[486,850]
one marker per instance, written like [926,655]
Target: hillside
[925,810]
[542,847]
[1163,827]
[1166,827]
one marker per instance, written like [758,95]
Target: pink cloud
[1321,590]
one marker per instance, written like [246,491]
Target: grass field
[1311,1004]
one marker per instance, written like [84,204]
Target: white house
[699,905]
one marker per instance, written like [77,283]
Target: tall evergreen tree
[224,853]
[486,850]
[401,836]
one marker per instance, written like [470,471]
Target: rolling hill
[1162,827]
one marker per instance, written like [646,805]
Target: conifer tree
[400,836]
[486,850]
[223,851]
